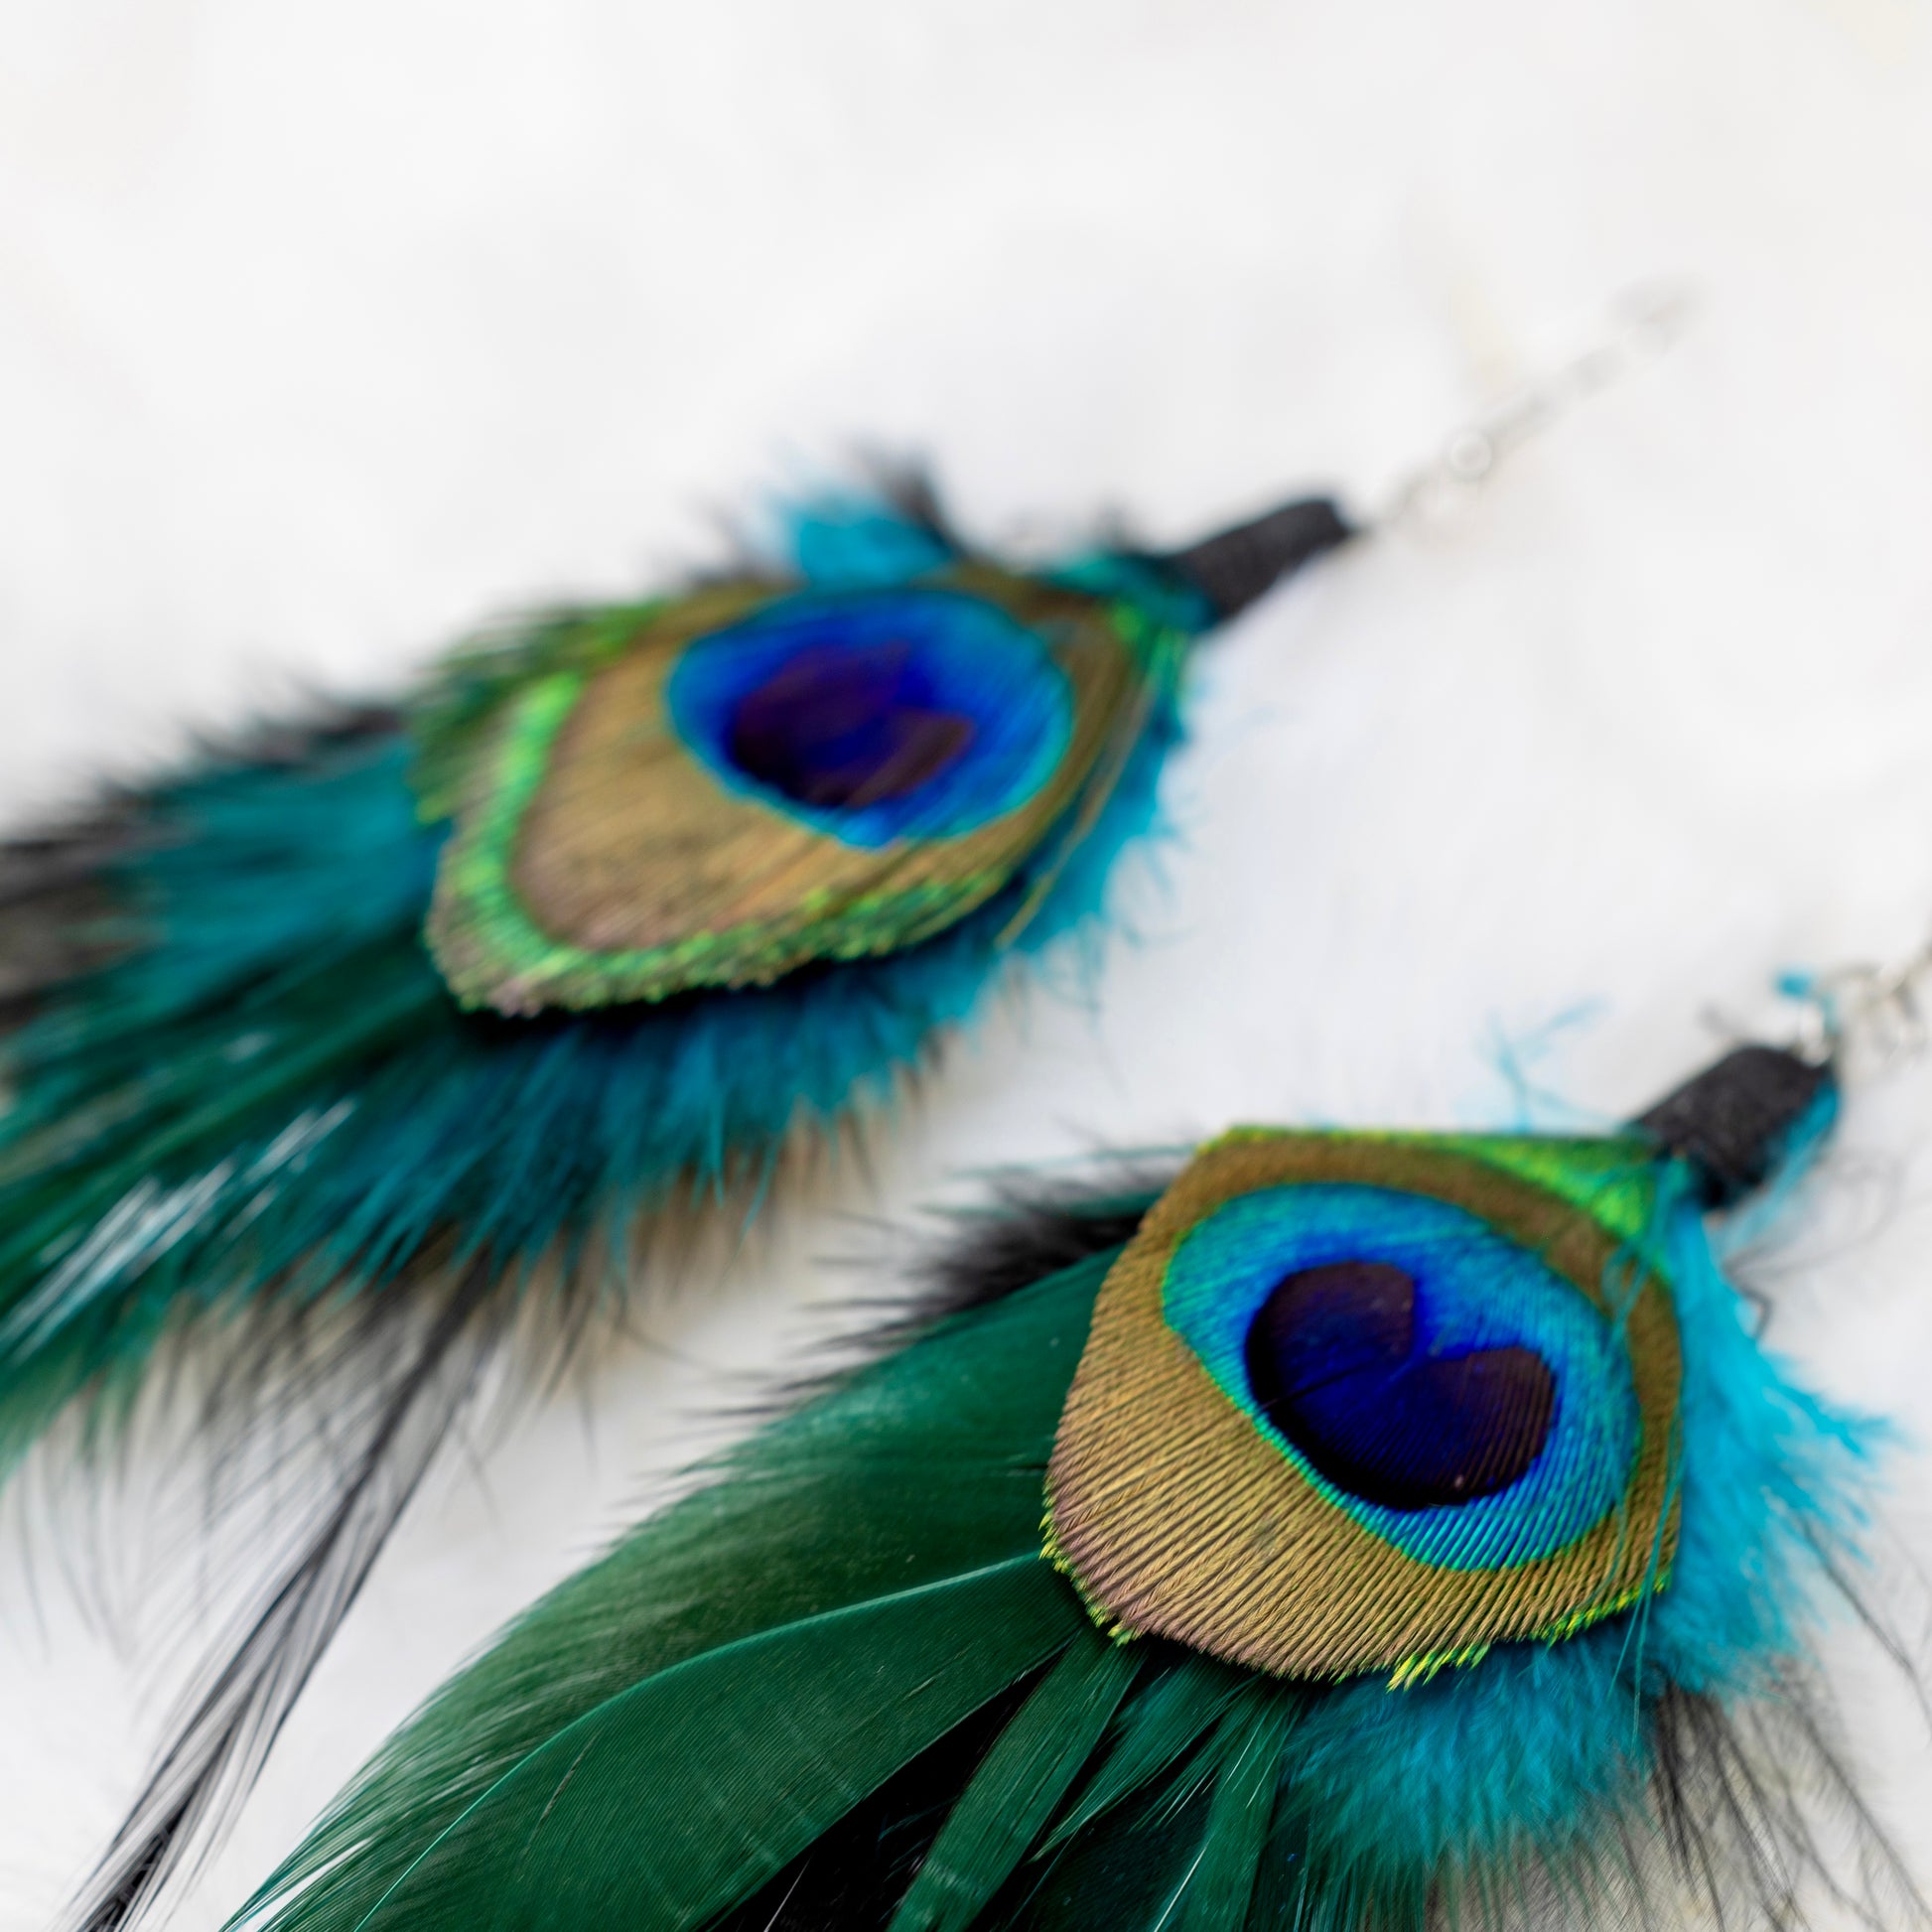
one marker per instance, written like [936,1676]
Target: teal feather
[253,1131]
[242,1095]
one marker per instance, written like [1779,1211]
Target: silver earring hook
[1873,1017]
[1643,323]
[1861,1019]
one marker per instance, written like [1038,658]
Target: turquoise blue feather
[270,1089]
[240,1089]
[210,1120]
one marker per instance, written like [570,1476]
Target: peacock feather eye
[745,780]
[1354,1403]
[877,716]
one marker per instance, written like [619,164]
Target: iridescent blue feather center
[878,716]
[1486,1364]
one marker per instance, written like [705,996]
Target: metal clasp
[1871,1014]
[1643,323]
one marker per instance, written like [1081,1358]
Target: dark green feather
[1012,1794]
[672,1800]
[1123,1878]
[1221,1881]
[833,1506]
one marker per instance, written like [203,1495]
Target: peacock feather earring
[1360,1532]
[384,1035]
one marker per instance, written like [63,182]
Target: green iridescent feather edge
[488,736]
[837,1686]
[240,1095]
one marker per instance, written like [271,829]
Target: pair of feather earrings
[688,871]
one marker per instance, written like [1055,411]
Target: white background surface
[326,330]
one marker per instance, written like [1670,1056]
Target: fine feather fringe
[1028,1232]
[1646,1768]
[810,1513]
[236,1089]
[384,1440]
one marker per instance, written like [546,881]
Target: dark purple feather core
[1334,1363]
[842,725]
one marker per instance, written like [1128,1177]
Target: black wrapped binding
[1235,567]
[1732,1122]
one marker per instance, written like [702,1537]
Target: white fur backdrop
[325,329]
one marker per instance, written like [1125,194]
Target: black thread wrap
[1731,1123]
[1235,567]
